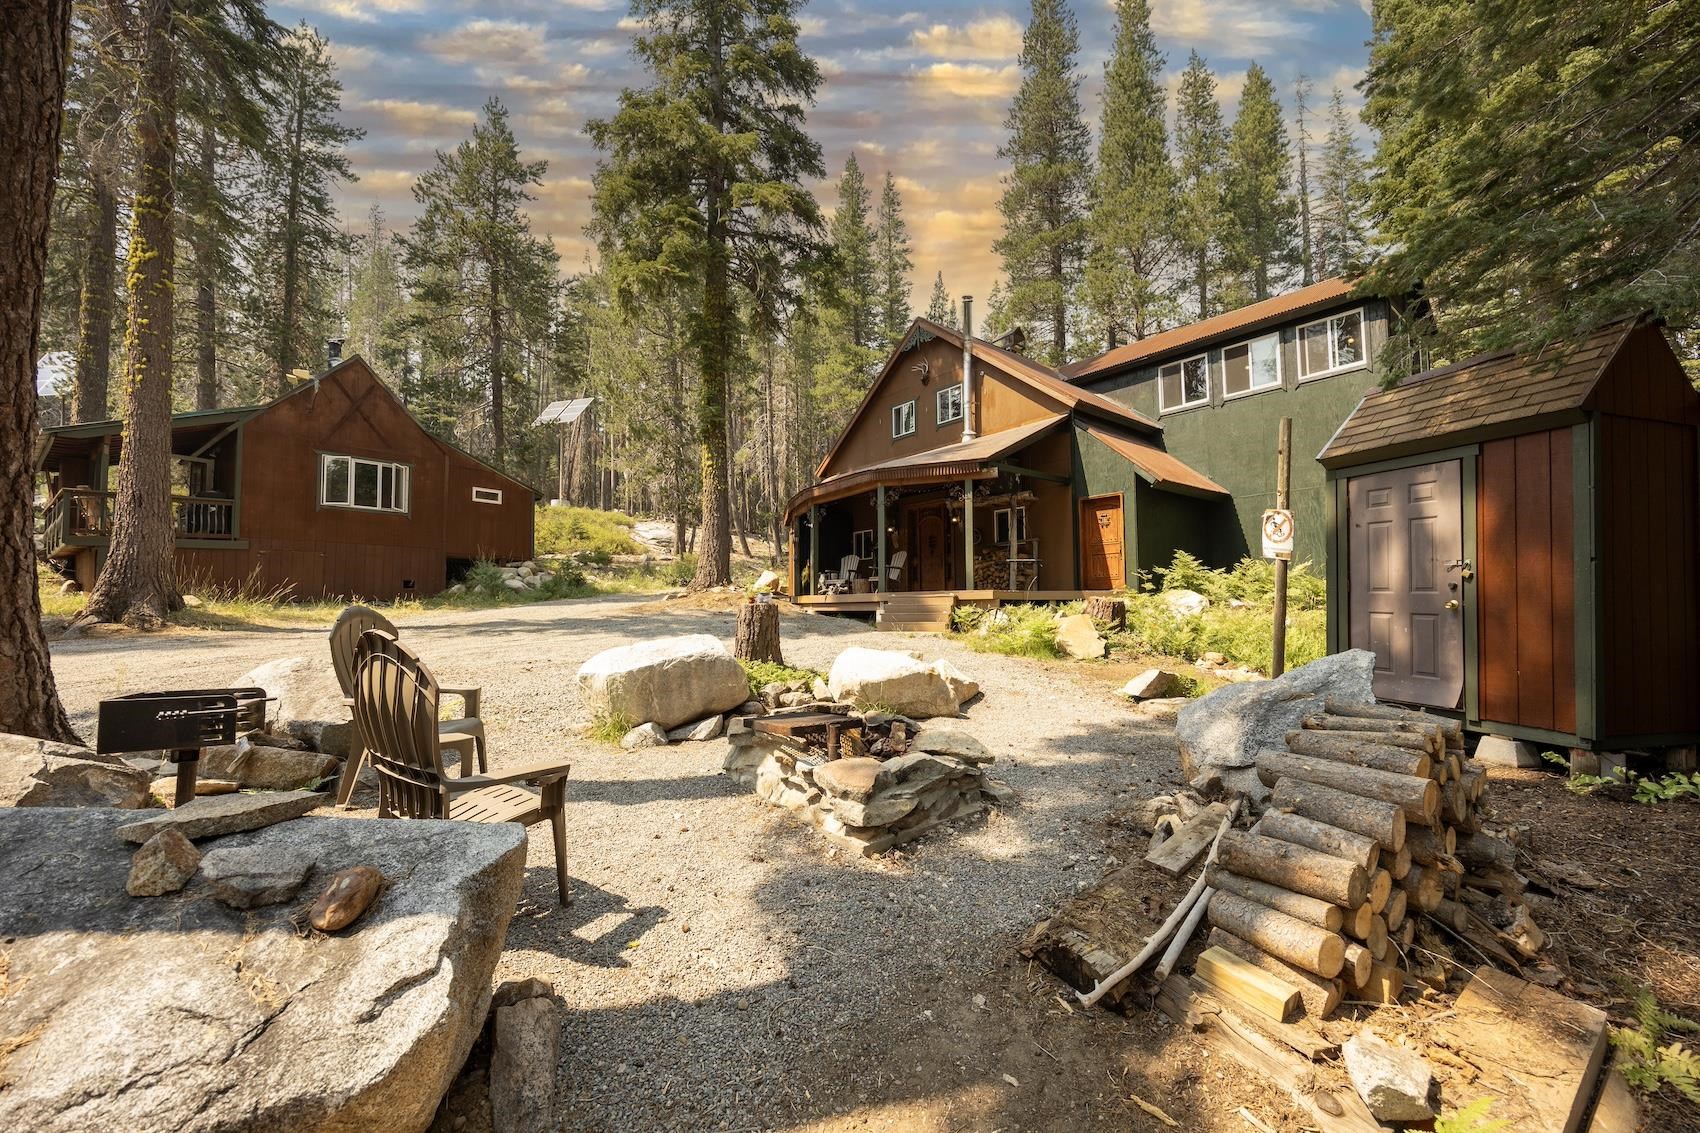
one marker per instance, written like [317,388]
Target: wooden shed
[1517,537]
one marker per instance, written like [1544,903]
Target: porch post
[879,536]
[814,546]
[968,532]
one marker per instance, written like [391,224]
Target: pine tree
[1045,191]
[893,263]
[375,295]
[1341,234]
[941,308]
[1261,226]
[853,244]
[482,282]
[1301,112]
[703,188]
[1128,292]
[1200,145]
[33,49]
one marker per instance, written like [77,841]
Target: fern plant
[1647,1060]
[1473,1118]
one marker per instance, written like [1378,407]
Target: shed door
[1101,562]
[1405,605]
[932,542]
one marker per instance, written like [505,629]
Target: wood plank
[1247,984]
[1563,582]
[1618,1110]
[1533,581]
[1181,851]
[1496,593]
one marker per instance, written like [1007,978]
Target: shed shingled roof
[1477,393]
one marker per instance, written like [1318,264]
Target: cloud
[384,183]
[505,42]
[428,119]
[995,37]
[1233,27]
[358,11]
[967,80]
[352,57]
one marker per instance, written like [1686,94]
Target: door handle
[1452,603]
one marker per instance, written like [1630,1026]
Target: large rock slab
[1225,730]
[668,682]
[1078,637]
[224,814]
[179,1013]
[259,767]
[44,773]
[898,682]
[309,701]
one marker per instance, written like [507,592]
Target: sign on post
[1278,534]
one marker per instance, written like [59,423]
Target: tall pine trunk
[138,584]
[714,556]
[206,297]
[94,301]
[34,47]
[289,316]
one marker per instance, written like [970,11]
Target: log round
[1484,851]
[1400,864]
[1428,845]
[1382,757]
[1301,831]
[1358,963]
[1358,921]
[1422,885]
[1380,889]
[1451,729]
[1451,914]
[1419,797]
[1382,821]
[757,635]
[1320,996]
[1295,868]
[1409,740]
[1376,938]
[1307,909]
[1394,914]
[1286,938]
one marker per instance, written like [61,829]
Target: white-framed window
[903,419]
[1183,384]
[862,543]
[1334,343]
[949,404]
[486,495]
[1248,367]
[1009,525]
[370,485]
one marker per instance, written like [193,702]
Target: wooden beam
[968,533]
[1031,473]
[879,538]
[1232,977]
[814,546]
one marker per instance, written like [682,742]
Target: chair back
[849,565]
[395,708]
[894,568]
[345,638]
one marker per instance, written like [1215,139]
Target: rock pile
[517,577]
[43,773]
[887,781]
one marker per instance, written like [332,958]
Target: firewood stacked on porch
[1373,822]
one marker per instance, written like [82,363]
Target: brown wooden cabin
[1518,540]
[1040,504]
[332,489]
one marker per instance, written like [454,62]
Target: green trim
[1515,427]
[236,492]
[1334,570]
[879,538]
[217,437]
[968,533]
[113,426]
[1585,588]
[1456,452]
[1658,739]
[814,546]
[1533,735]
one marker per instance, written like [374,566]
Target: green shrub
[1623,783]
[764,673]
[1238,623]
[680,571]
[577,530]
[610,728]
[1648,1060]
[1018,631]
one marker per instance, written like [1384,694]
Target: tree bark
[1327,745]
[715,347]
[1418,797]
[1355,848]
[94,300]
[1316,950]
[34,49]
[138,585]
[1422,887]
[206,285]
[757,637]
[1382,821]
[1322,914]
[1293,868]
[1433,735]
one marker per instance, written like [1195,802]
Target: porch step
[915,627]
[917,613]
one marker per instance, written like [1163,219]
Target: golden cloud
[996,37]
[967,80]
[420,118]
[489,41]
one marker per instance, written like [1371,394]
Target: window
[903,419]
[862,543]
[1334,343]
[1183,384]
[374,485]
[1251,366]
[1001,530]
[486,495]
[950,404]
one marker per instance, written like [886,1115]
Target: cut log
[1451,914]
[1382,757]
[1286,938]
[1245,983]
[1358,920]
[1320,996]
[1383,986]
[1454,802]
[1358,963]
[1484,851]
[1434,740]
[1427,845]
[1380,888]
[1400,864]
[1406,934]
[1394,914]
[1177,854]
[1301,831]
[1408,740]
[1376,938]
[757,635]
[1422,886]
[1451,729]
[1106,610]
[1296,868]
[1382,821]
[1308,909]
[1475,781]
[1417,796]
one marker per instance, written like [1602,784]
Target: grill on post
[180,723]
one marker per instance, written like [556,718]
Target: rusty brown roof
[1478,393]
[1277,308]
[1163,469]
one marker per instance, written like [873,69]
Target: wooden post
[757,636]
[1283,485]
[879,538]
[813,567]
[968,531]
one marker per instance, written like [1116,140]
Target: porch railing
[83,516]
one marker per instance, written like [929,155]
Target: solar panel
[563,412]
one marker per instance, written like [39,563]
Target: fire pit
[866,782]
[180,723]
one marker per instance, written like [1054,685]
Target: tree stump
[757,638]
[1107,611]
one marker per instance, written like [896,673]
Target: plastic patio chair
[395,706]
[464,735]
[894,568]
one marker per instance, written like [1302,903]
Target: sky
[921,90]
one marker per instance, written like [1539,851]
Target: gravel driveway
[722,966]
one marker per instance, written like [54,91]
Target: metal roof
[1161,469]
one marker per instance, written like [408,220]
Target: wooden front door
[932,543]
[1404,585]
[1102,565]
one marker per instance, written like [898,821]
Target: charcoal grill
[180,723]
[808,726]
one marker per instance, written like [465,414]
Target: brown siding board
[1534,581]
[1563,570]
[1496,590]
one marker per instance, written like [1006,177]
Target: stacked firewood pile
[1373,823]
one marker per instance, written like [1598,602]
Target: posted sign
[1278,534]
